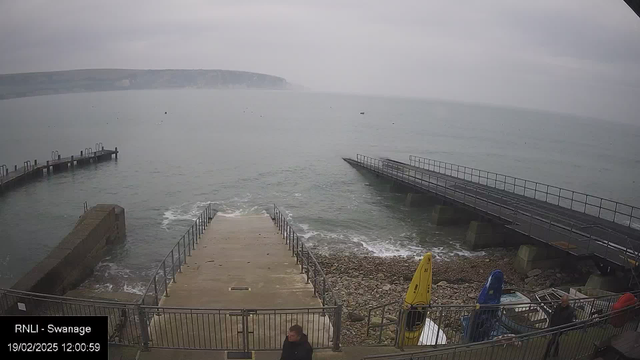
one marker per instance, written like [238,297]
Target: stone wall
[73,260]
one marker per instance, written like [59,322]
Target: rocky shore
[362,282]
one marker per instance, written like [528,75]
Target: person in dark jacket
[296,346]
[563,314]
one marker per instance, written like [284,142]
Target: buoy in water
[165,113]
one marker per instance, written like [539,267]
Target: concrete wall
[539,257]
[73,260]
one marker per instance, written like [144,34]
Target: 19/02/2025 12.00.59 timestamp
[68,347]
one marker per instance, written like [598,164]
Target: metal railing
[308,263]
[185,328]
[577,340]
[165,274]
[238,329]
[606,209]
[458,324]
[312,269]
[150,326]
[565,234]
[124,318]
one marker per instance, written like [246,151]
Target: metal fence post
[144,329]
[401,328]
[324,290]
[166,285]
[293,246]
[307,262]
[179,259]
[315,282]
[193,238]
[184,248]
[155,288]
[173,273]
[301,258]
[337,328]
[439,326]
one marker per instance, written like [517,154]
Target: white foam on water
[375,247]
[307,233]
[137,289]
[111,269]
[382,249]
[241,212]
[408,246]
[446,253]
[182,212]
[234,207]
[103,288]
[230,214]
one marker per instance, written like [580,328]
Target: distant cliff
[73,81]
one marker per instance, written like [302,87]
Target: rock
[355,317]
[375,320]
[406,277]
[534,272]
[391,318]
[471,295]
[529,286]
[442,283]
[388,335]
[558,275]
[528,280]
[386,287]
[380,276]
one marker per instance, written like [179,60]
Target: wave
[376,247]
[112,269]
[404,244]
[186,211]
[137,288]
[240,212]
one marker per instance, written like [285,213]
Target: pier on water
[16,175]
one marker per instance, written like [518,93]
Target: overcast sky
[575,56]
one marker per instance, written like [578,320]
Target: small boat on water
[521,316]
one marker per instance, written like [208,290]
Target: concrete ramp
[243,289]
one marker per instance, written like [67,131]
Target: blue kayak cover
[492,290]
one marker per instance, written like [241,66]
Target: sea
[244,150]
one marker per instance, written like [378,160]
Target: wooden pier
[10,178]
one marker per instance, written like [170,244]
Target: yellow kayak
[419,293]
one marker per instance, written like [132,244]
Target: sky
[573,56]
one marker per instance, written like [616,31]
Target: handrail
[65,299]
[588,306]
[516,183]
[580,326]
[161,278]
[300,251]
[476,306]
[313,270]
[447,188]
[630,249]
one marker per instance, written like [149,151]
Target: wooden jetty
[30,170]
